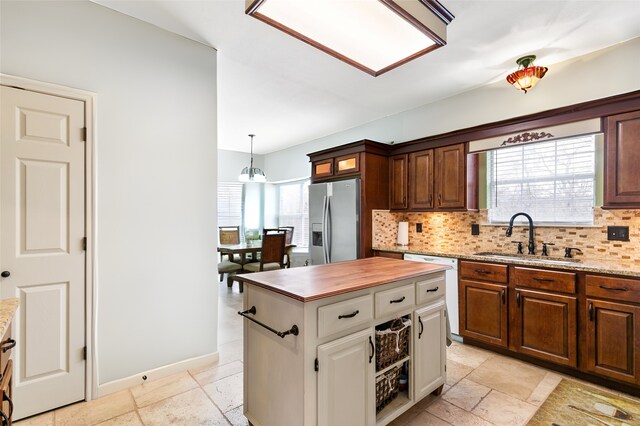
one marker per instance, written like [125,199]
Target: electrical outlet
[418,227]
[475,229]
[618,233]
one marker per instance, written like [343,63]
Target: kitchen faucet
[532,246]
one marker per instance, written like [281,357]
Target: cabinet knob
[5,274]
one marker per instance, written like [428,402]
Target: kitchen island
[351,343]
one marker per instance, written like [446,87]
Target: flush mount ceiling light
[372,35]
[527,75]
[252,174]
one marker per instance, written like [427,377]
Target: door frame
[89,99]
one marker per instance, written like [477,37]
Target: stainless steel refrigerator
[334,221]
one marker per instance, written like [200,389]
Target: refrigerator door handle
[325,217]
[327,233]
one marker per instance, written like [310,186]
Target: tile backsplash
[450,232]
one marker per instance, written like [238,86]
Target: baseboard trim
[156,373]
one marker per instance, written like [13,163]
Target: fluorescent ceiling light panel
[372,35]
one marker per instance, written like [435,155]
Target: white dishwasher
[452,284]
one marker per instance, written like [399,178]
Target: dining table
[252,249]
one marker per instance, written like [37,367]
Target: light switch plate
[418,227]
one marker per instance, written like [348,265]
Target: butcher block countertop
[8,309]
[317,282]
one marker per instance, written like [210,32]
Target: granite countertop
[603,266]
[8,309]
[320,281]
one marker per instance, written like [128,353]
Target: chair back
[272,247]
[229,234]
[289,231]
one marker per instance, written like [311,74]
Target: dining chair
[271,254]
[288,242]
[231,265]
[289,231]
[229,234]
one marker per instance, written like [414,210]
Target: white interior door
[42,227]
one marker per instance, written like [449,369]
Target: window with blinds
[230,204]
[294,210]
[552,181]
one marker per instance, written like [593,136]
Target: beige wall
[597,75]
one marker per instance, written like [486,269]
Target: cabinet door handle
[8,345]
[544,280]
[482,271]
[430,290]
[502,296]
[590,311]
[421,326]
[349,316]
[5,397]
[604,287]
[518,298]
[373,349]
[439,199]
[430,199]
[398,300]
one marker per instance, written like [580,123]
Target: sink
[530,258]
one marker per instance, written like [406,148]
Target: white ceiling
[287,92]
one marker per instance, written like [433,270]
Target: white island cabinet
[310,353]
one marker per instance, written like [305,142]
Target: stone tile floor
[482,388]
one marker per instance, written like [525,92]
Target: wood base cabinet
[346,392]
[602,338]
[544,325]
[431,327]
[326,374]
[613,340]
[483,312]
[6,383]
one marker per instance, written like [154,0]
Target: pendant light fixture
[527,74]
[252,174]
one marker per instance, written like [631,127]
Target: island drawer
[343,315]
[394,300]
[544,279]
[613,288]
[431,288]
[483,272]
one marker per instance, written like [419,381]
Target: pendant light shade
[527,74]
[252,174]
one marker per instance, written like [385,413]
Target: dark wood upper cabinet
[421,180]
[622,157]
[367,160]
[450,177]
[433,179]
[398,181]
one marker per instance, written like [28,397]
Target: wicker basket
[387,387]
[392,342]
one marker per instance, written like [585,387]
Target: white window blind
[230,204]
[294,211]
[552,181]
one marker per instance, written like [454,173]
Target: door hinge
[84,243]
[316,365]
[84,134]
[84,353]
